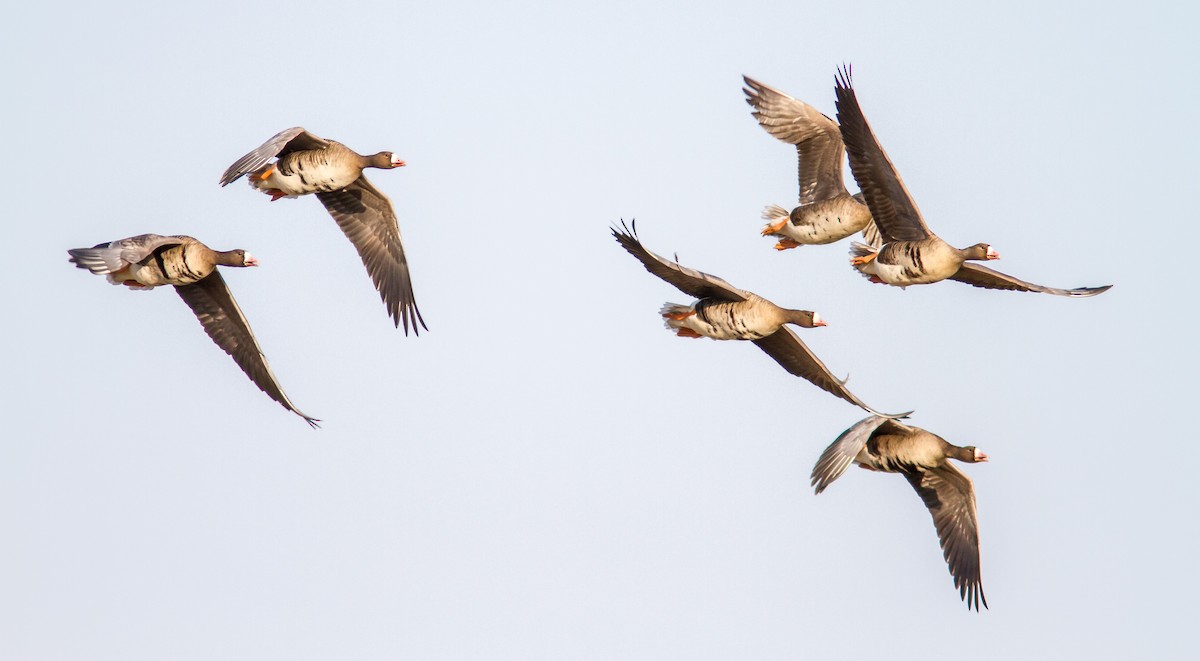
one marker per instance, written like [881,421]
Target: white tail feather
[861,249]
[673,308]
[773,212]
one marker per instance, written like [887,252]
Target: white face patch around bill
[249,260]
[817,320]
[397,161]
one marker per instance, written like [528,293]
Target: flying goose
[724,312]
[909,253]
[149,260]
[827,211]
[881,444]
[307,164]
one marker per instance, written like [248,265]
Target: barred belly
[724,320]
[302,173]
[826,221]
[172,266]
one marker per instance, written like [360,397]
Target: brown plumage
[306,164]
[726,312]
[910,254]
[149,260]
[881,444]
[827,212]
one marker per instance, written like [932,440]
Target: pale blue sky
[548,474]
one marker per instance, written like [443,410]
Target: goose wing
[794,356]
[841,453]
[981,276]
[950,497]
[224,322]
[289,140]
[689,281]
[817,139]
[110,257]
[369,221]
[891,206]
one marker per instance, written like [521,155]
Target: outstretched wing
[794,356]
[981,276]
[367,218]
[818,141]
[891,206]
[293,139]
[689,281]
[950,497]
[224,322]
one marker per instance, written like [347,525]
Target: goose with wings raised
[826,212]
[908,252]
[724,312]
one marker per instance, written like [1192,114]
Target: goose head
[803,318]
[981,252]
[237,257]
[972,454]
[384,160]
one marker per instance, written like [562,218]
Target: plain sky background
[547,473]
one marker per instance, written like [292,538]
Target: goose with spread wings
[147,261]
[827,212]
[908,252]
[305,164]
[724,312]
[882,444]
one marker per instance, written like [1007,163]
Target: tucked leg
[773,228]
[679,316]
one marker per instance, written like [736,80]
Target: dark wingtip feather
[1089,291]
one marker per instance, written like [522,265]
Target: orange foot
[679,316]
[262,176]
[863,259]
[772,228]
[687,332]
[275,193]
[876,280]
[787,244]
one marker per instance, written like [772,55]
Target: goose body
[308,171]
[308,165]
[889,446]
[751,319]
[147,261]
[904,263]
[150,260]
[905,251]
[826,212]
[724,312]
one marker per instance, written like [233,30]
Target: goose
[882,444]
[147,261]
[306,164]
[724,312]
[827,212]
[908,252]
